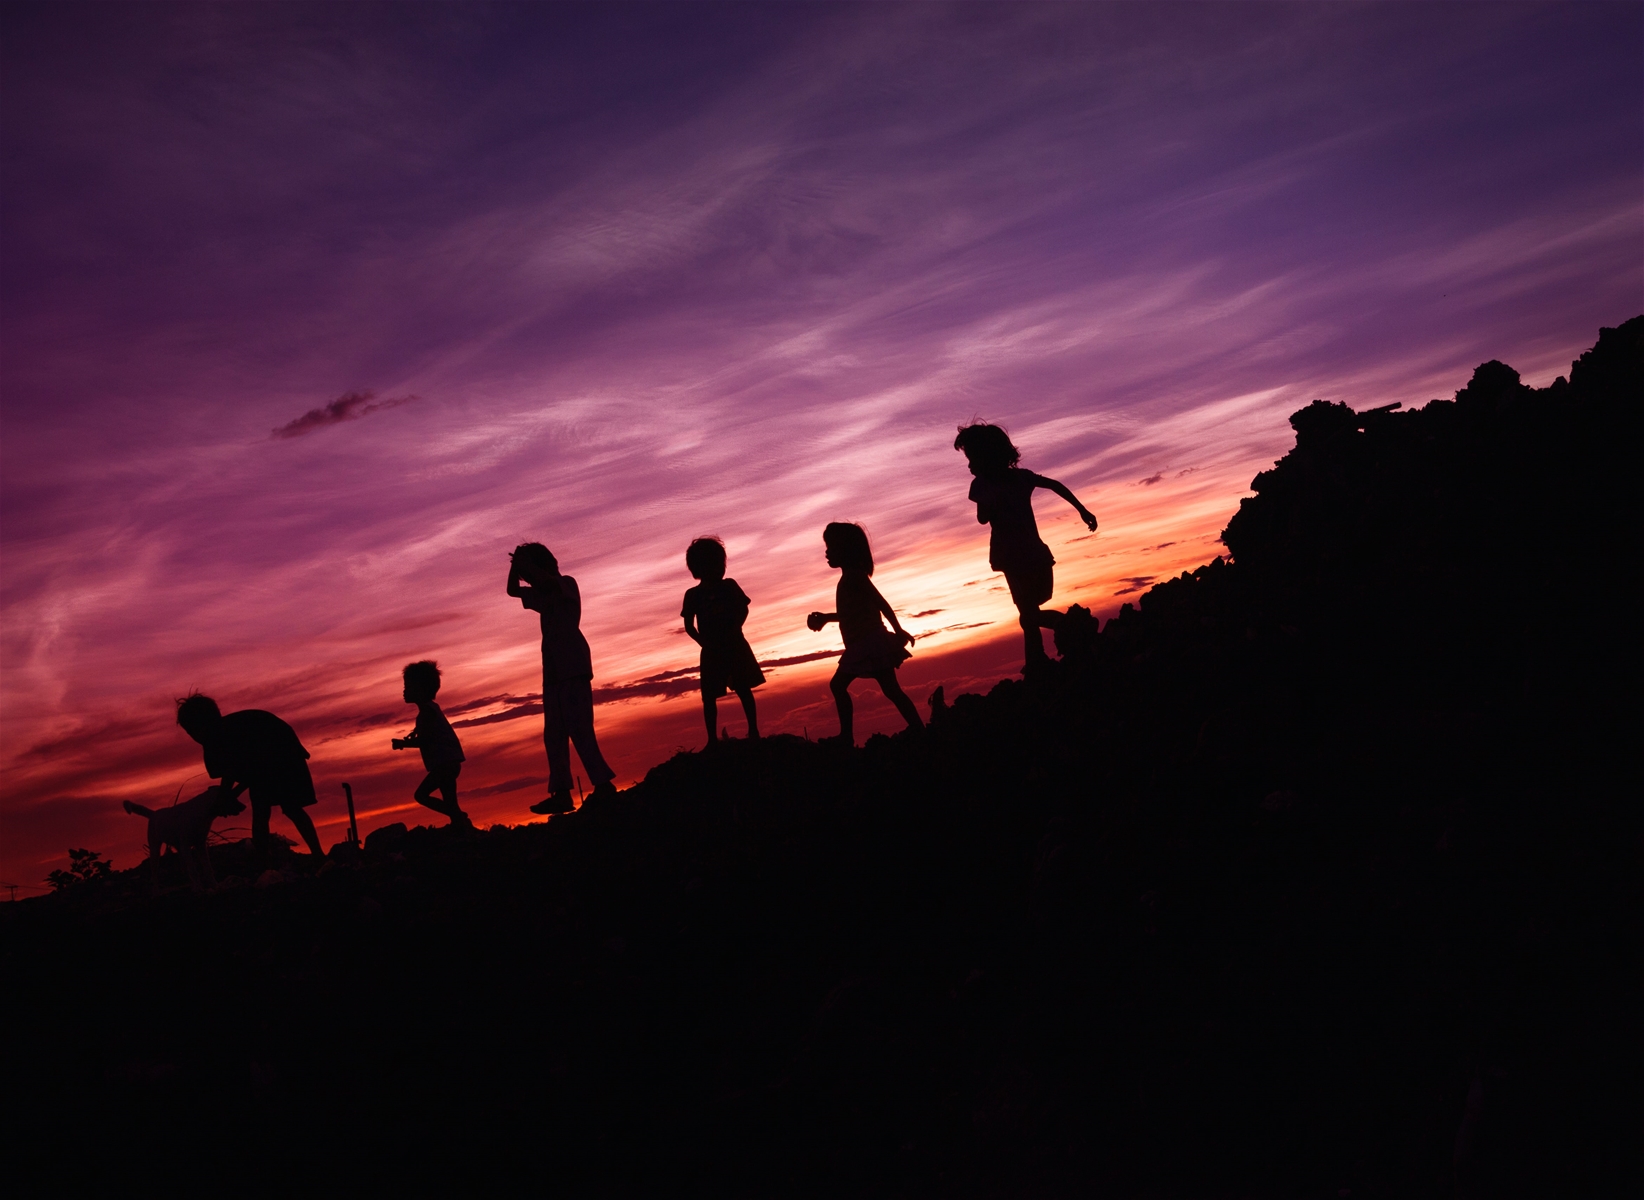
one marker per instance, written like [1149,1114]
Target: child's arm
[513,578]
[690,628]
[890,614]
[1061,490]
[817,620]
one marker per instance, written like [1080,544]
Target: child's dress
[728,662]
[870,648]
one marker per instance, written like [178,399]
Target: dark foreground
[1315,876]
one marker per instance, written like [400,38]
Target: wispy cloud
[350,406]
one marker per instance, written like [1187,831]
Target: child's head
[848,547]
[422,681]
[705,558]
[534,556]
[199,716]
[988,447]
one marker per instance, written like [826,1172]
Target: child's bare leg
[710,715]
[746,696]
[448,789]
[1033,643]
[893,692]
[425,795]
[841,688]
[305,826]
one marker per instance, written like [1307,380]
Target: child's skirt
[873,654]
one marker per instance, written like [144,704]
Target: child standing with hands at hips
[1003,493]
[871,650]
[714,611]
[442,755]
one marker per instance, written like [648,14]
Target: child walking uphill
[871,650]
[442,755]
[1003,493]
[567,675]
[714,611]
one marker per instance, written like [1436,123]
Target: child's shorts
[732,666]
[1031,582]
[289,788]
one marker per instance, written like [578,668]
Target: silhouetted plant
[84,866]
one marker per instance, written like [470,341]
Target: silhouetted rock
[387,838]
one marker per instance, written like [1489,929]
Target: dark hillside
[1316,874]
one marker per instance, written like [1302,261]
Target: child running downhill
[871,650]
[1003,493]
[714,611]
[442,755]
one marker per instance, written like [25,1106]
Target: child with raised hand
[714,611]
[442,755]
[871,650]
[1003,493]
[534,579]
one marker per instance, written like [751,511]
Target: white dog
[186,827]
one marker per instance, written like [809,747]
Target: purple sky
[612,277]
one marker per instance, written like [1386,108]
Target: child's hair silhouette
[850,547]
[536,554]
[988,446]
[425,676]
[197,710]
[705,558]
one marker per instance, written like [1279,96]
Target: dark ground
[1317,875]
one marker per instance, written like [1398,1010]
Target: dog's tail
[137,810]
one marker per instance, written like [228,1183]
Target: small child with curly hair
[714,611]
[442,755]
[871,650]
[1003,493]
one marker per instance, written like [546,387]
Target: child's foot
[556,803]
[599,797]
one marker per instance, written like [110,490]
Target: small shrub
[84,866]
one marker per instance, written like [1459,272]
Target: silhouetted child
[714,611]
[254,750]
[442,755]
[871,650]
[1003,493]
[567,675]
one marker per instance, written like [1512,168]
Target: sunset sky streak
[310,313]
